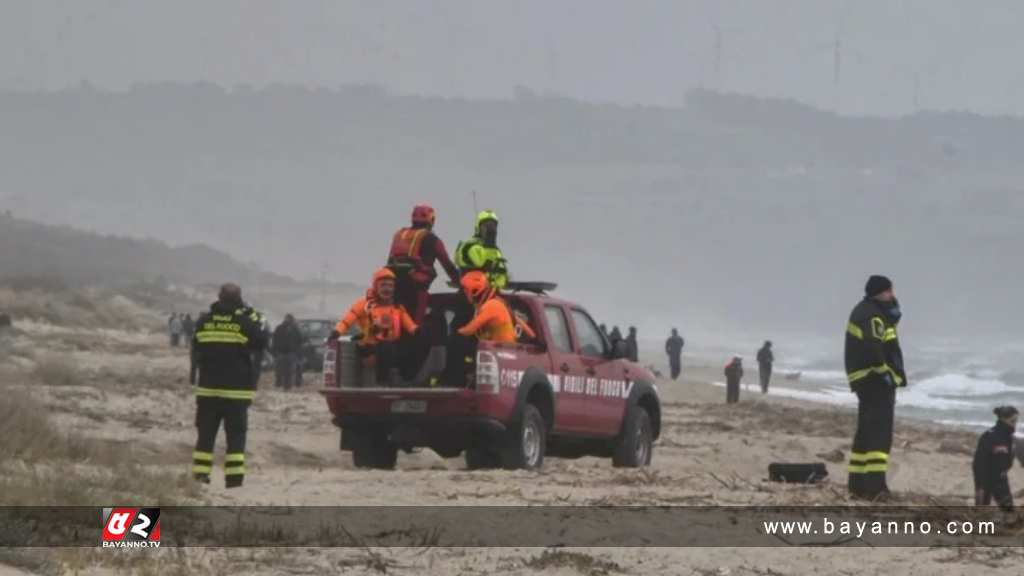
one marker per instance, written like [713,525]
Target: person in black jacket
[874,368]
[286,347]
[733,379]
[674,349]
[993,459]
[765,359]
[227,340]
[632,346]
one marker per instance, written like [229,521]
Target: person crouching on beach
[993,459]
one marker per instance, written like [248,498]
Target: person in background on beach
[614,337]
[733,378]
[874,368]
[765,359]
[188,329]
[674,350]
[993,459]
[632,346]
[175,328]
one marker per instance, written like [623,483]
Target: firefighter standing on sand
[227,339]
[413,253]
[874,367]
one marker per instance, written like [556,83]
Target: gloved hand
[334,336]
[887,378]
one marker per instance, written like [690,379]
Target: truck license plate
[409,406]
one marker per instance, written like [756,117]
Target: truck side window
[559,328]
[591,341]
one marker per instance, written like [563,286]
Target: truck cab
[565,392]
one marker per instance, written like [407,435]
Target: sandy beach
[129,392]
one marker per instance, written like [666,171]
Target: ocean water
[948,385]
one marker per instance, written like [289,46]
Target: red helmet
[423,214]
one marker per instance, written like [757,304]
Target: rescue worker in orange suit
[993,459]
[874,368]
[414,250]
[228,340]
[493,321]
[382,323]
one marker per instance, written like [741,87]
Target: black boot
[204,478]
[233,481]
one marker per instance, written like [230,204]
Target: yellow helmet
[483,216]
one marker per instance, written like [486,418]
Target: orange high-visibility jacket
[494,323]
[377,322]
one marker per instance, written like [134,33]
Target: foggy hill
[730,214]
[61,254]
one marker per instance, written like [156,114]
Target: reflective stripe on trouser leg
[208,419]
[202,462]
[869,458]
[234,464]
[236,423]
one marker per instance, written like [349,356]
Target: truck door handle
[591,371]
[564,367]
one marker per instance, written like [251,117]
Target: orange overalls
[378,322]
[494,322]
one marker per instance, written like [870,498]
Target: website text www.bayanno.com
[861,528]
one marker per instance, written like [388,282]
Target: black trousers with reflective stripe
[210,412]
[876,406]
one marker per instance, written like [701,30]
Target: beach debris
[834,456]
[953,447]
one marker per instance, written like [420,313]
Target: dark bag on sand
[797,473]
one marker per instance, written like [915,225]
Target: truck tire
[374,450]
[482,459]
[525,442]
[634,448]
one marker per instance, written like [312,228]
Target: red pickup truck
[565,392]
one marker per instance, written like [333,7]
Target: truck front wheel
[373,450]
[525,442]
[634,448]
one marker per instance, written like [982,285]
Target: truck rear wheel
[525,442]
[634,448]
[374,450]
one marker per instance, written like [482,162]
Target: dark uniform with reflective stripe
[992,460]
[874,367]
[227,341]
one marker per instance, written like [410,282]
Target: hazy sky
[959,54]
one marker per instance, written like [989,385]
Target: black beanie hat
[1005,412]
[876,285]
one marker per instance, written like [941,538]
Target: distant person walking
[765,359]
[632,346]
[733,378]
[286,347]
[674,350]
[993,459]
[175,328]
[874,368]
[188,329]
